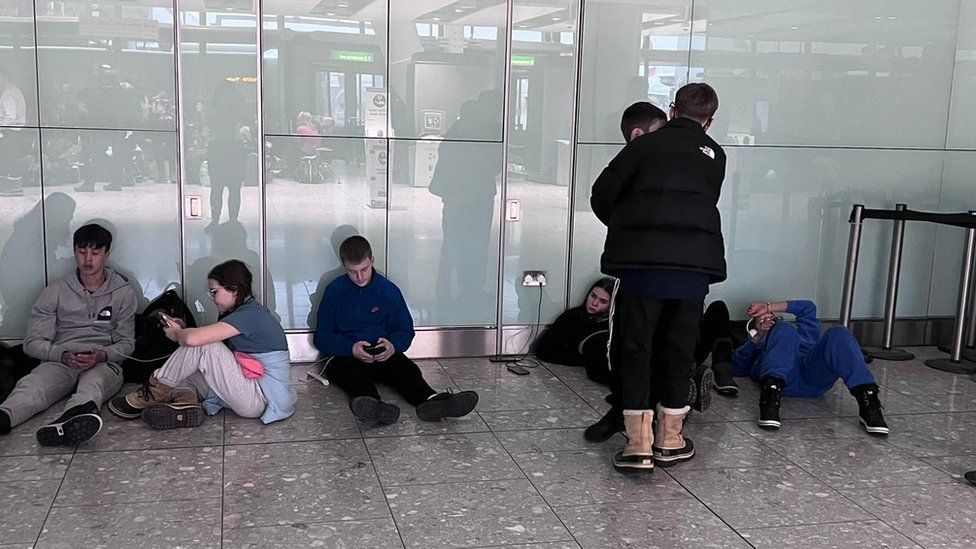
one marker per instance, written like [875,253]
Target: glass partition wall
[461,137]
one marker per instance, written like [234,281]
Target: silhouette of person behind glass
[464,179]
[226,154]
[19,289]
[340,233]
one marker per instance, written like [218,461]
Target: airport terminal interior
[269,131]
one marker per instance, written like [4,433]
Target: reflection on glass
[326,60]
[312,208]
[106,64]
[589,234]
[21,227]
[444,228]
[962,111]
[115,183]
[631,52]
[18,82]
[540,130]
[790,77]
[441,56]
[220,148]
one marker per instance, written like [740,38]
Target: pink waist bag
[250,366]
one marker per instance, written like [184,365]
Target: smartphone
[374,349]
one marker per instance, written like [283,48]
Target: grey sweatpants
[213,366]
[52,381]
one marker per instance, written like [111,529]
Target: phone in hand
[374,350]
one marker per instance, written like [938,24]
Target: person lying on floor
[797,361]
[241,362]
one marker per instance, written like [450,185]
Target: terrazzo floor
[517,473]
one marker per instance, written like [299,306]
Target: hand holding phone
[374,349]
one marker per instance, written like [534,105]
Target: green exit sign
[523,60]
[354,56]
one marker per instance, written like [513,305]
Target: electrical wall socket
[533,278]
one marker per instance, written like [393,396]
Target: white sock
[673,411]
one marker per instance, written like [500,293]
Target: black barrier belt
[964,220]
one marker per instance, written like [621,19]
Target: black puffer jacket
[658,199]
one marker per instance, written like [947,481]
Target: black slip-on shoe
[447,404]
[370,410]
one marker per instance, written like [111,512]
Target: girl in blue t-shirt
[240,361]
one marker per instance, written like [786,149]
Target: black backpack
[152,345]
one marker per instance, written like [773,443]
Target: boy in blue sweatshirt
[364,324]
[798,361]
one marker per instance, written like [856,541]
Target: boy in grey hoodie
[80,328]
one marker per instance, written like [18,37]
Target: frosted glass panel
[958,194]
[784,218]
[632,51]
[443,237]
[827,73]
[312,210]
[106,64]
[589,234]
[21,227]
[962,111]
[220,150]
[18,78]
[107,175]
[324,65]
[447,62]
[540,129]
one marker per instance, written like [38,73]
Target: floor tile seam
[2,482]
[459,482]
[539,429]
[685,496]
[54,498]
[379,482]
[288,441]
[119,450]
[528,479]
[522,543]
[312,523]
[824,523]
[35,454]
[134,502]
[374,437]
[223,478]
[948,481]
[710,510]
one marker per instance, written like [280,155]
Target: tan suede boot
[131,405]
[672,447]
[638,452]
[180,409]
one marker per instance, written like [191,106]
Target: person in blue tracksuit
[364,325]
[797,361]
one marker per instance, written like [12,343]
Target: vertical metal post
[894,266]
[954,363]
[886,352]
[850,273]
[506,97]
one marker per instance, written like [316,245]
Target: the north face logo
[374,310]
[105,314]
[707,151]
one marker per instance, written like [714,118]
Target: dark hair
[641,115]
[606,284]
[234,276]
[93,235]
[355,249]
[697,101]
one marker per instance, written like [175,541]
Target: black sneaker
[610,424]
[173,416]
[76,425]
[370,410]
[769,397]
[4,423]
[700,397]
[722,368]
[970,477]
[869,409]
[447,404]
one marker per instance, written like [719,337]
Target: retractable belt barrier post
[961,329]
[886,351]
[955,363]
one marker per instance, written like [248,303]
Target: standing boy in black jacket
[658,199]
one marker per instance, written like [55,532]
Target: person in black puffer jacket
[658,198]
